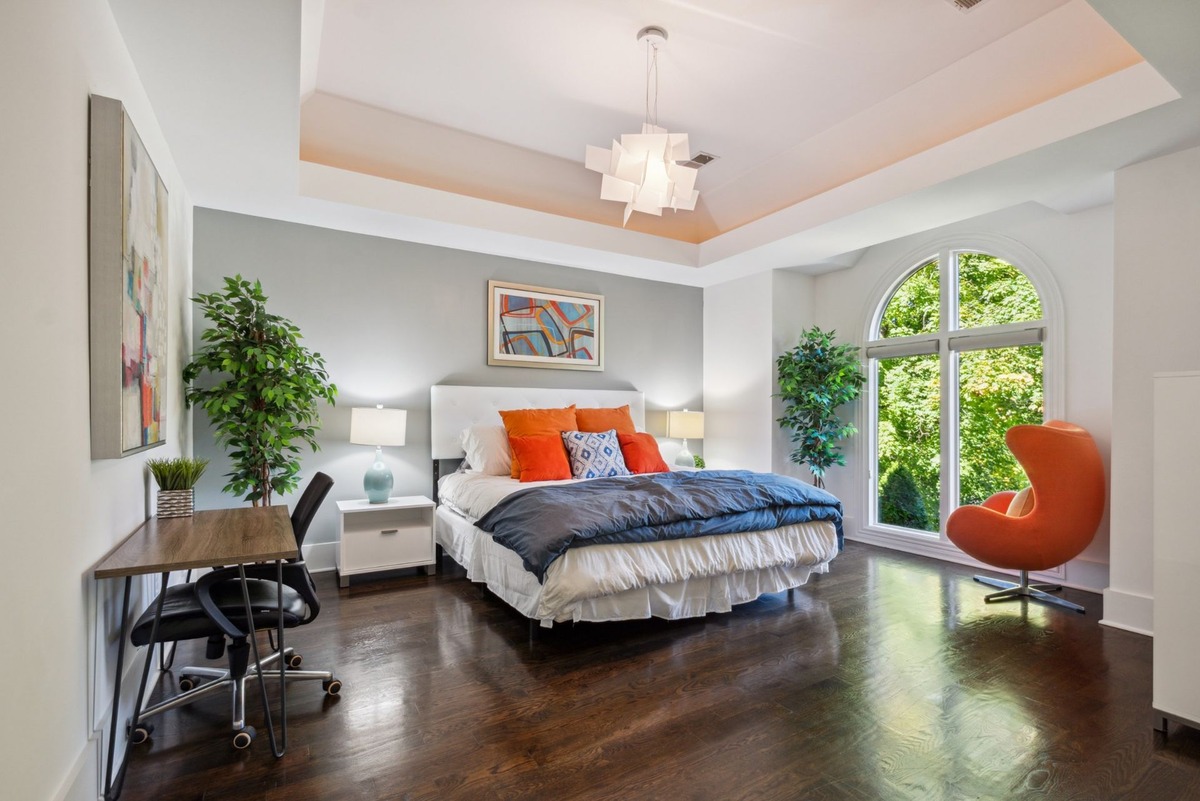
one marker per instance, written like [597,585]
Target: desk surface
[217,537]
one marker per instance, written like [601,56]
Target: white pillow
[487,449]
[1021,504]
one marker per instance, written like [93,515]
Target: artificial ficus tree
[261,389]
[815,378]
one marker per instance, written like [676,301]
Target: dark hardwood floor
[888,679]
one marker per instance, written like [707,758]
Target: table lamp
[378,427]
[685,425]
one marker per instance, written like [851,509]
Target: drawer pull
[389,531]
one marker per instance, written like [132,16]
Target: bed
[665,578]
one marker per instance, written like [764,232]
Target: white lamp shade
[685,425]
[378,426]
[641,171]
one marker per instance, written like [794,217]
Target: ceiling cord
[651,68]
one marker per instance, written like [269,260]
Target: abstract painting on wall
[127,266]
[531,326]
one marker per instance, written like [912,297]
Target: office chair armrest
[203,590]
[295,574]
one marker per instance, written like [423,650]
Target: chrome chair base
[1011,590]
[220,680]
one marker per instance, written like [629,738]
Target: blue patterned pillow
[594,455]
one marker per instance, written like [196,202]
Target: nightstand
[384,536]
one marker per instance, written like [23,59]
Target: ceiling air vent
[701,158]
[964,5]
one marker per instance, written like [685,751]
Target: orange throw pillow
[597,421]
[536,423]
[641,454]
[543,458]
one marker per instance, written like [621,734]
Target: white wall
[738,374]
[748,323]
[1156,328]
[1077,250]
[793,302]
[61,511]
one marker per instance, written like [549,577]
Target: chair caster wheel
[243,739]
[294,661]
[141,733]
[187,683]
[332,686]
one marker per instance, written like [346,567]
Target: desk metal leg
[113,785]
[278,749]
[116,703]
[165,664]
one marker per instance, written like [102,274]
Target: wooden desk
[219,537]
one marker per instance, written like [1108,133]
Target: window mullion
[873,507]
[949,397]
[950,439]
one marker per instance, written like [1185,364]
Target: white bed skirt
[573,592]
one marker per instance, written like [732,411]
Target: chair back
[306,508]
[1066,473]
[1067,476]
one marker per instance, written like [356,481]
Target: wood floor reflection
[886,679]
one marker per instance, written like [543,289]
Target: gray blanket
[541,523]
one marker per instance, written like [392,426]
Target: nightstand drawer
[392,546]
[386,536]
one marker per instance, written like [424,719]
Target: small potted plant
[176,479]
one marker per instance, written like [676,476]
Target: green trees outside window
[986,371]
[909,437]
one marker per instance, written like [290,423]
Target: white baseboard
[1086,575]
[88,783]
[1079,575]
[321,557]
[84,781]
[1130,611]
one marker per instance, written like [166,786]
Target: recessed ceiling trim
[1121,95]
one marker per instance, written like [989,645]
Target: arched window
[957,355]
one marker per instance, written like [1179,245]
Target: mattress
[668,579]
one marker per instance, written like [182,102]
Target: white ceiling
[839,123]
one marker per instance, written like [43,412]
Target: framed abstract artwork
[531,326]
[127,285]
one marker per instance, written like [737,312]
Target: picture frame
[128,213]
[533,326]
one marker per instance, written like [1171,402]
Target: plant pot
[175,503]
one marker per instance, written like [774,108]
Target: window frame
[945,251]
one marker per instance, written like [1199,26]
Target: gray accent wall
[393,318]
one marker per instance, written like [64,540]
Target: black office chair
[213,608]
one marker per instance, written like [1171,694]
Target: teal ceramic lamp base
[378,480]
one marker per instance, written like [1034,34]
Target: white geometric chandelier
[641,170]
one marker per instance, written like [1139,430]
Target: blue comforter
[541,523]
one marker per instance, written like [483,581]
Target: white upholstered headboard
[454,408]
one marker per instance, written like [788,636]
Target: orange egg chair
[1045,525]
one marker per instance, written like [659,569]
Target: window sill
[930,544]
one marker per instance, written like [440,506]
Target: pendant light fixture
[642,170]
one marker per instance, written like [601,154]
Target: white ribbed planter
[175,503]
